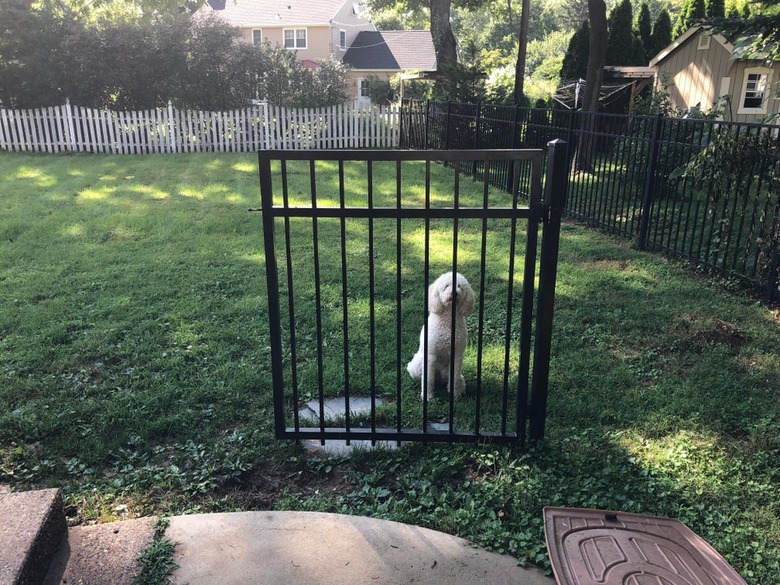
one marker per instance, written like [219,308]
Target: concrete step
[32,527]
[101,554]
[282,548]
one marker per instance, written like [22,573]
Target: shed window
[754,91]
[704,42]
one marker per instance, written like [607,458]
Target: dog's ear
[465,301]
[434,299]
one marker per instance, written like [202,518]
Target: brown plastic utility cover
[596,547]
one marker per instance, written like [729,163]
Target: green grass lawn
[134,373]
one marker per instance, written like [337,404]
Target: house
[315,29]
[338,29]
[383,54]
[703,67]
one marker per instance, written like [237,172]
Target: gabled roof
[392,50]
[679,41]
[258,13]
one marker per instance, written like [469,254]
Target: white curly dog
[441,297]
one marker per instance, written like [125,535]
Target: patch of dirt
[720,332]
[712,332]
[270,481]
[604,264]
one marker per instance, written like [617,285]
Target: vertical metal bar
[426,276]
[398,289]
[317,299]
[290,298]
[344,300]
[372,296]
[481,325]
[509,305]
[447,128]
[453,305]
[647,199]
[477,128]
[554,202]
[272,283]
[427,121]
[526,317]
[513,146]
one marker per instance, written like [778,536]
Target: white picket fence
[70,128]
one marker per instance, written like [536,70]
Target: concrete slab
[32,525]
[312,548]
[102,554]
[333,408]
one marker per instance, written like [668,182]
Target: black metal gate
[352,241]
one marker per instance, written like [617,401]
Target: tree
[761,25]
[621,47]
[692,12]
[662,33]
[575,61]
[597,56]
[715,8]
[48,54]
[522,51]
[644,33]
[441,32]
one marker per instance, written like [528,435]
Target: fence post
[171,130]
[649,192]
[71,132]
[554,202]
[272,282]
[773,275]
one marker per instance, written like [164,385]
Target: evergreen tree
[575,61]
[691,12]
[662,33]
[622,46]
[715,8]
[644,32]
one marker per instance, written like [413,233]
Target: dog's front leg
[457,384]
[429,381]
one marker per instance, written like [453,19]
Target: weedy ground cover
[134,374]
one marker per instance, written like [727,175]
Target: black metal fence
[352,241]
[706,191]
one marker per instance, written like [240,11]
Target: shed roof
[257,13]
[392,50]
[679,41]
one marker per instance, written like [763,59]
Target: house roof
[392,50]
[257,13]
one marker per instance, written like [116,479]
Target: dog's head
[441,293]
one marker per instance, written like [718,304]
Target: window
[343,40]
[257,36]
[364,88]
[754,91]
[295,38]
